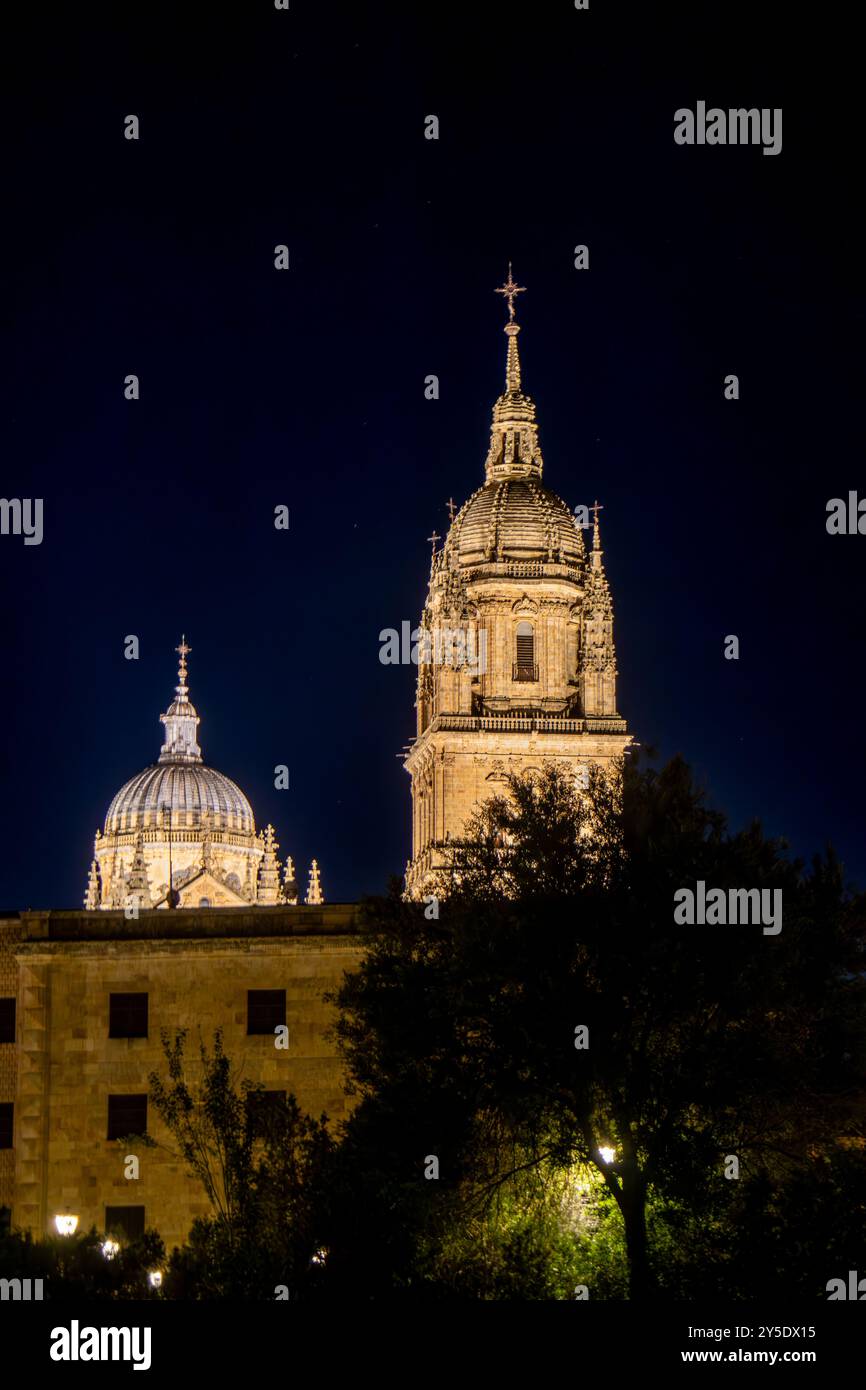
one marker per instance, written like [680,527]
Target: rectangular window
[7,1111]
[7,1020]
[126,1115]
[127,1015]
[5,1220]
[264,1108]
[266,1008]
[127,1222]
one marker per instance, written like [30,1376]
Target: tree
[77,1267]
[700,1041]
[261,1161]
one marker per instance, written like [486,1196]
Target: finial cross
[452,508]
[183,650]
[433,539]
[598,507]
[510,289]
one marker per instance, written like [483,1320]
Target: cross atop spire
[183,651]
[510,290]
[596,534]
[433,539]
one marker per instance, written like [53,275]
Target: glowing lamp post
[66,1224]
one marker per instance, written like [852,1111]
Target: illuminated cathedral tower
[518,629]
[184,824]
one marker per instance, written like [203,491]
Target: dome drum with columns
[535,609]
[182,823]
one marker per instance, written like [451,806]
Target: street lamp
[66,1224]
[110,1248]
[154,1278]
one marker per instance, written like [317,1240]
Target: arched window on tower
[525,668]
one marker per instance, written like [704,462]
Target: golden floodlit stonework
[184,824]
[196,970]
[189,922]
[517,666]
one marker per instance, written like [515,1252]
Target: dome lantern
[180,720]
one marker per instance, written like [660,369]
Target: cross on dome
[183,651]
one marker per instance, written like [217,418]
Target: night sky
[306,388]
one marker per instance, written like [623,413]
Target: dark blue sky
[307,388]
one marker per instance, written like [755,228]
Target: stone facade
[196,968]
[10,934]
[517,662]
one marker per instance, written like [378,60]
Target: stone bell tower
[517,664]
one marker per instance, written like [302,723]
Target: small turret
[290,882]
[93,895]
[315,895]
[269,871]
[137,887]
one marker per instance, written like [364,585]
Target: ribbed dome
[515,519]
[191,791]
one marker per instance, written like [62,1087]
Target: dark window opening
[7,1020]
[7,1112]
[264,1109]
[127,1015]
[266,1010]
[127,1222]
[126,1115]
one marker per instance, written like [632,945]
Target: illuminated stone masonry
[184,823]
[514,578]
[184,969]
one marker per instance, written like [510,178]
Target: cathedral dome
[178,792]
[194,795]
[180,834]
[515,518]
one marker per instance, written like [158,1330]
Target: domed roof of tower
[513,517]
[179,791]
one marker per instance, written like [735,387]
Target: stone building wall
[10,932]
[196,969]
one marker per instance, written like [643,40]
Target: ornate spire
[514,450]
[207,852]
[596,535]
[597,661]
[290,883]
[180,719]
[269,870]
[91,901]
[314,892]
[512,367]
[137,885]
